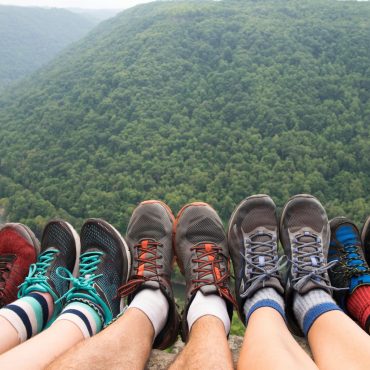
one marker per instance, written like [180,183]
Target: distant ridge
[30,37]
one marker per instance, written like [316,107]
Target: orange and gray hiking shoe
[202,255]
[149,235]
[18,250]
[253,244]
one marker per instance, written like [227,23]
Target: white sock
[211,304]
[155,305]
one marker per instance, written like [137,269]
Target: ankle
[154,305]
[208,305]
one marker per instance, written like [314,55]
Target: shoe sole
[76,237]
[26,233]
[363,231]
[236,210]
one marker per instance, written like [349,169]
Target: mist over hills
[185,101]
[31,37]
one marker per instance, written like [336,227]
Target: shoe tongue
[262,237]
[208,247]
[313,260]
[146,268]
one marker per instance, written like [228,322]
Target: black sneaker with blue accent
[351,270]
[60,248]
[365,239]
[104,265]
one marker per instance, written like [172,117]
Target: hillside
[189,101]
[30,37]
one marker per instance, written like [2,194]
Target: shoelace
[147,252]
[313,269]
[5,266]
[350,252]
[37,271]
[261,264]
[89,262]
[208,261]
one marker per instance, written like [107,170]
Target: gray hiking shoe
[202,255]
[305,235]
[149,235]
[253,238]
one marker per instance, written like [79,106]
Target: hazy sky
[90,4]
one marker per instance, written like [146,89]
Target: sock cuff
[315,312]
[154,304]
[203,305]
[15,321]
[265,303]
[83,316]
[28,315]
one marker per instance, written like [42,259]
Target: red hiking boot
[18,249]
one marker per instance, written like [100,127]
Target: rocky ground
[160,360]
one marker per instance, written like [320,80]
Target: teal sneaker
[60,248]
[104,265]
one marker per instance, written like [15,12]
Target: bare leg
[268,344]
[338,343]
[52,343]
[8,337]
[207,347]
[126,344]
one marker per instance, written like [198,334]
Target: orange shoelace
[147,257]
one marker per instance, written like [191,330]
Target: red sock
[358,305]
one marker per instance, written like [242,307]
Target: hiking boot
[351,270]
[18,249]
[365,238]
[104,265]
[252,238]
[305,235]
[202,255]
[149,234]
[60,247]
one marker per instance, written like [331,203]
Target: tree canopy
[184,101]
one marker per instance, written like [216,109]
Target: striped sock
[310,306]
[265,297]
[29,315]
[84,316]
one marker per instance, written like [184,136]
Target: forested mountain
[187,101]
[30,37]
